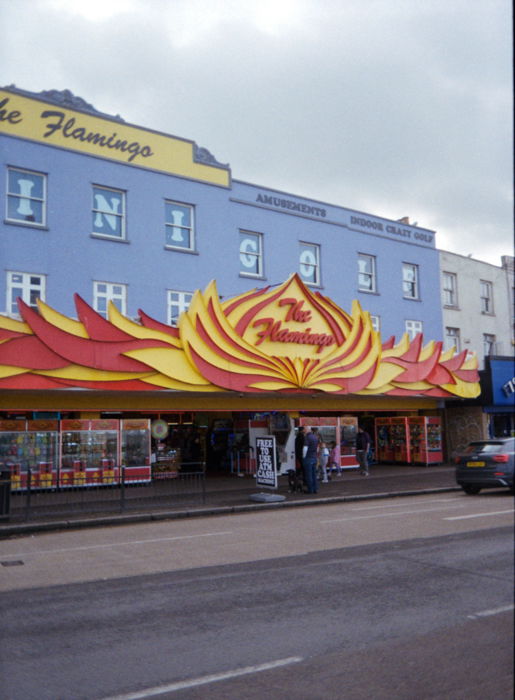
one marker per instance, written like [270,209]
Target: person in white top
[323,458]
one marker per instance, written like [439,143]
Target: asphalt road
[404,598]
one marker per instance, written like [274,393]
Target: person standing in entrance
[335,461]
[299,444]
[362,448]
[323,458]
[296,475]
[310,454]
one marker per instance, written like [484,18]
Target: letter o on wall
[246,245]
[307,264]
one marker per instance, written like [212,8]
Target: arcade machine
[409,440]
[135,447]
[384,445]
[340,430]
[89,452]
[400,439]
[425,439]
[392,440]
[30,445]
[282,427]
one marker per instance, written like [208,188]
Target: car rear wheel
[471,489]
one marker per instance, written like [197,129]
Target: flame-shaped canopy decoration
[283,339]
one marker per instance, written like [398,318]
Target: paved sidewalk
[232,494]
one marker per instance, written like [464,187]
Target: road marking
[204,680]
[494,611]
[387,515]
[479,515]
[400,505]
[118,544]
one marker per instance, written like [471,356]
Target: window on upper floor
[26,285]
[366,273]
[309,263]
[410,281]
[26,197]
[489,345]
[251,254]
[486,296]
[452,339]
[450,289]
[376,322]
[104,292]
[179,226]
[177,303]
[413,328]
[108,213]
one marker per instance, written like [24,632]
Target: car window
[487,447]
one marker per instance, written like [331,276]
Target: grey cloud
[393,106]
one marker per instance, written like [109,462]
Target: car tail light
[456,460]
[500,458]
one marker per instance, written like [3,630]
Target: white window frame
[450,289]
[376,322]
[370,277]
[251,258]
[413,328]
[306,264]
[410,281]
[28,286]
[489,344]
[486,297]
[114,291]
[176,306]
[170,226]
[27,199]
[452,338]
[109,213]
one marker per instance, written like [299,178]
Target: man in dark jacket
[309,462]
[362,448]
[299,444]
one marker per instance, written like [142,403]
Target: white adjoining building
[478,315]
[477,305]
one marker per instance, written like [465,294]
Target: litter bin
[5,494]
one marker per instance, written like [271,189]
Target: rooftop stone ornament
[284,339]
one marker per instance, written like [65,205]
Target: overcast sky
[393,107]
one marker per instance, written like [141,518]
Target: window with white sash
[108,213]
[413,328]
[26,197]
[410,282]
[179,226]
[178,302]
[104,292]
[24,285]
[309,263]
[251,254]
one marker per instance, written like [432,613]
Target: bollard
[5,494]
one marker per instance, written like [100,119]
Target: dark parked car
[486,464]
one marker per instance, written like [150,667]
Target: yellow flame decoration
[208,354]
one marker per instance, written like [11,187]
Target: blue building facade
[87,210]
